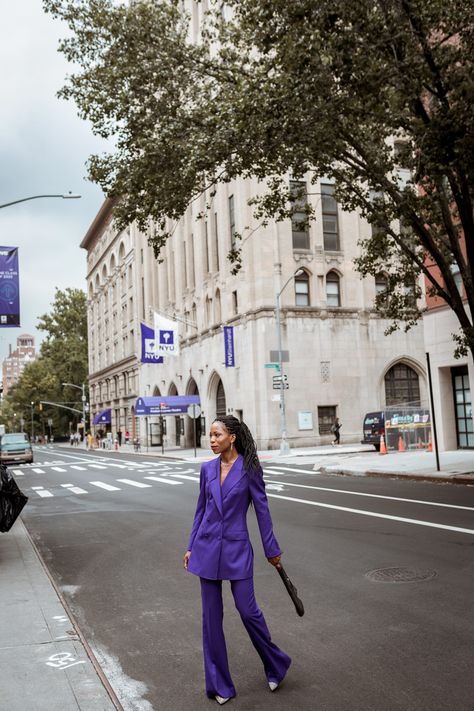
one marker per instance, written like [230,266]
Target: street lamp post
[83,398]
[284,445]
[32,421]
[64,196]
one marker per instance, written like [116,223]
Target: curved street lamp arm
[66,196]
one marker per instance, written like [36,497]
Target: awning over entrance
[103,418]
[171,405]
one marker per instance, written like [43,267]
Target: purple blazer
[219,541]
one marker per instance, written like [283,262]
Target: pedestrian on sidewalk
[219,549]
[335,428]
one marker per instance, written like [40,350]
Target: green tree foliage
[274,87]
[63,358]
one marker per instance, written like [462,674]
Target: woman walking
[219,549]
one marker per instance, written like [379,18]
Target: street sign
[280,379]
[194,411]
[280,386]
[272,365]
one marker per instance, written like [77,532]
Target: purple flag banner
[9,287]
[229,355]
[148,345]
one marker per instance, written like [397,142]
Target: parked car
[15,447]
[374,426]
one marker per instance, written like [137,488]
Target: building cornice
[98,223]
[114,369]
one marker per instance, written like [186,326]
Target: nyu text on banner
[166,336]
[9,287]
[148,345]
[229,355]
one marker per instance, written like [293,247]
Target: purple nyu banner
[9,287]
[148,345]
[229,355]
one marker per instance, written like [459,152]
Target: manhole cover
[400,575]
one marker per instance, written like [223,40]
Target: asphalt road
[113,529]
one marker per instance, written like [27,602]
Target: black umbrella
[292,591]
[11,500]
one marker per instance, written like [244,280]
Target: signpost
[194,411]
[280,382]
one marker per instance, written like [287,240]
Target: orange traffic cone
[383,448]
[401,444]
[430,445]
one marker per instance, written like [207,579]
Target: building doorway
[221,408]
[463,407]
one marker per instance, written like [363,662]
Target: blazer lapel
[215,484]
[233,476]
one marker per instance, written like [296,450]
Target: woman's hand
[187,556]
[275,560]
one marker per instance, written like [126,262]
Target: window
[302,289]
[235,303]
[143,298]
[216,244]
[457,277]
[206,247]
[380,283]
[221,408]
[333,293]
[330,222]
[326,417]
[191,260]
[185,270]
[402,386]
[232,221]
[299,219]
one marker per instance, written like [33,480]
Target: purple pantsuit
[221,550]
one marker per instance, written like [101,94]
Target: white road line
[17,472]
[138,484]
[184,476]
[44,493]
[373,496]
[80,469]
[361,512]
[35,488]
[97,466]
[67,486]
[38,471]
[163,481]
[275,468]
[114,464]
[58,469]
[74,489]
[102,485]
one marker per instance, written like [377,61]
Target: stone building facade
[340,363]
[14,364]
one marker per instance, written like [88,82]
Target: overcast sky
[43,149]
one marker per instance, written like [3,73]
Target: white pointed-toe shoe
[221,699]
[273,685]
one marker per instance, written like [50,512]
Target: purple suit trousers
[221,550]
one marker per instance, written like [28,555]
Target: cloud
[43,149]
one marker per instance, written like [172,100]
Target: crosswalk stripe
[118,466]
[44,493]
[97,466]
[275,469]
[184,476]
[38,471]
[138,484]
[163,481]
[102,485]
[58,469]
[17,472]
[76,466]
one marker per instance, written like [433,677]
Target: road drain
[400,575]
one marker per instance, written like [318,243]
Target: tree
[375,94]
[63,358]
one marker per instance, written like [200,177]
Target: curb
[93,659]
[464,479]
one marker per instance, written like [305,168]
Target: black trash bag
[11,500]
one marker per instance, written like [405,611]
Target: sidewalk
[44,665]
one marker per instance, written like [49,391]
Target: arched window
[221,408]
[217,307]
[208,311]
[402,386]
[194,319]
[333,292]
[121,254]
[302,289]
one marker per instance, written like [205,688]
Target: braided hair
[244,443]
